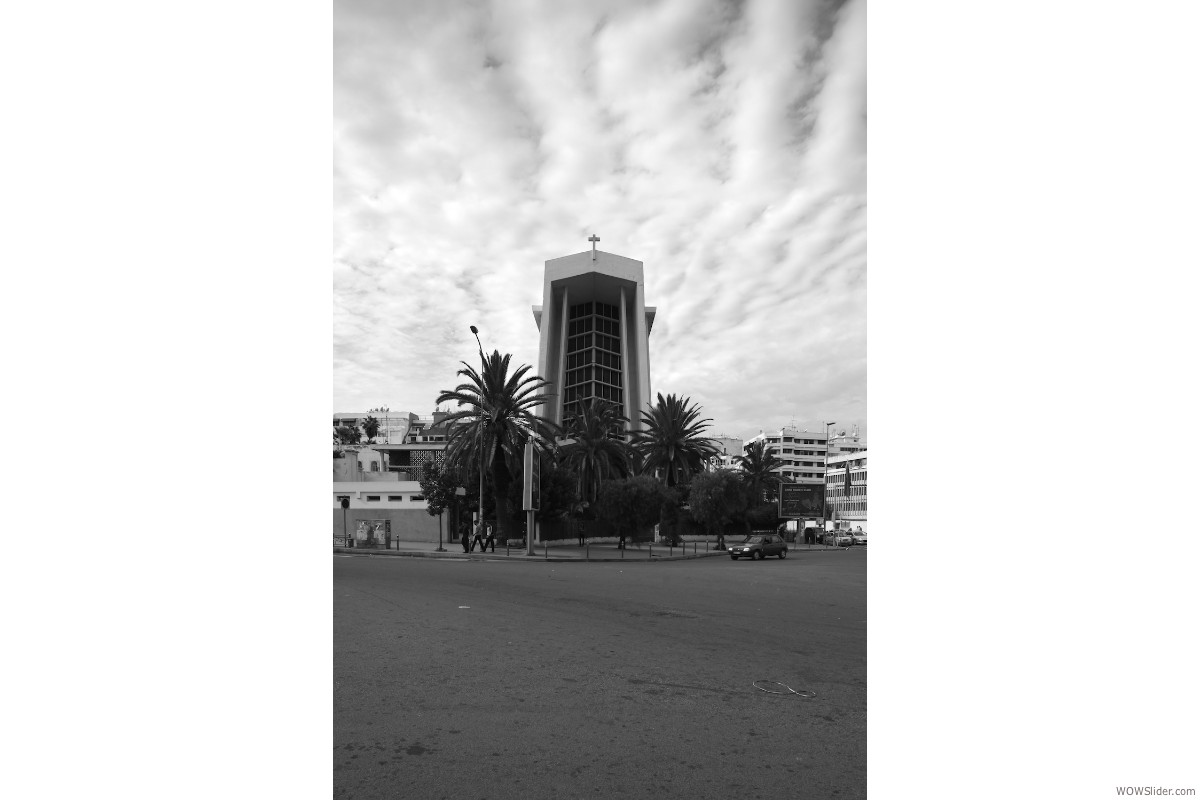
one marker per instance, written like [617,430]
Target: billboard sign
[531,497]
[800,500]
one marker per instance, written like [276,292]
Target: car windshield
[752,540]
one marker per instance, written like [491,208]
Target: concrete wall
[410,521]
[408,525]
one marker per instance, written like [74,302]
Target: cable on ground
[790,690]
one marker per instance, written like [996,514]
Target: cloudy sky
[723,144]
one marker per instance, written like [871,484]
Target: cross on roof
[593,239]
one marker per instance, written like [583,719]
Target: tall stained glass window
[593,358]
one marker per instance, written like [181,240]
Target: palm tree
[670,443]
[370,427]
[597,452]
[497,418]
[758,465]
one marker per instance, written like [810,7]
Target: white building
[842,443]
[846,488]
[729,448]
[381,484]
[802,452]
[393,425]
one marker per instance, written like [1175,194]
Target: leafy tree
[559,494]
[765,515]
[758,465]
[497,418]
[596,452]
[671,443]
[674,517]
[347,434]
[438,486]
[560,491]
[716,500]
[630,505]
[370,427]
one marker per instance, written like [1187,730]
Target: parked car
[759,547]
[860,537]
[844,539]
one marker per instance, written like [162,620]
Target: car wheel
[758,555]
[783,553]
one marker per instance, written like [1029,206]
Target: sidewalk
[568,552]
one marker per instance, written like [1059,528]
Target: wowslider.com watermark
[1154,791]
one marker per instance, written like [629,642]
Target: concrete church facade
[595,334]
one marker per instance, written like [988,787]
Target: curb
[522,557]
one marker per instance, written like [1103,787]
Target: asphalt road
[482,680]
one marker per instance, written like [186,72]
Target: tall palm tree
[596,451]
[497,418]
[758,465]
[370,427]
[671,444]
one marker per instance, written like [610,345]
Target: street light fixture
[825,478]
[483,368]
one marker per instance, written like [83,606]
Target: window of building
[416,498]
[372,498]
[374,466]
[395,498]
[342,497]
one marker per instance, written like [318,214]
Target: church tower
[595,334]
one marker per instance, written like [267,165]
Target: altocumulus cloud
[723,144]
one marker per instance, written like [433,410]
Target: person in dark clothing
[491,537]
[478,539]
[466,540]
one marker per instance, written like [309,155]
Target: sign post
[345,532]
[531,497]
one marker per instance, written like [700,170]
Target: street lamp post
[483,368]
[825,479]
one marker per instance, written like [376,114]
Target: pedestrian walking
[478,538]
[465,535]
[491,537]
